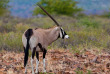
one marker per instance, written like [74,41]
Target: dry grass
[59,61]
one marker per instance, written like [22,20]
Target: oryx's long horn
[48,14]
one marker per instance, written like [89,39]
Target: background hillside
[19,7]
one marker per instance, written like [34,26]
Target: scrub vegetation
[85,32]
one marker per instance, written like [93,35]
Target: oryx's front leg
[37,61]
[44,53]
[32,58]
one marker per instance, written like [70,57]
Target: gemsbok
[38,40]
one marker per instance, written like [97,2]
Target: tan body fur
[43,36]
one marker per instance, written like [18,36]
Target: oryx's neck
[52,34]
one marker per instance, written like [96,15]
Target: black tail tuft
[28,35]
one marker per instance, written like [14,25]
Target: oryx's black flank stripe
[40,46]
[43,49]
[28,35]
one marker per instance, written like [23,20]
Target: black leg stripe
[33,52]
[37,55]
[44,53]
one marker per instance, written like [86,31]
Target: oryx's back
[35,36]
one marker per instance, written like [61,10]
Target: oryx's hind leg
[33,46]
[44,54]
[32,58]
[24,49]
[37,61]
[26,64]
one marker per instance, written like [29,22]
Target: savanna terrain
[87,51]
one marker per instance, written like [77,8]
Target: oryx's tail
[28,35]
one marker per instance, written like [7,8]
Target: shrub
[65,7]
[3,6]
[11,41]
[21,28]
[88,22]
[7,27]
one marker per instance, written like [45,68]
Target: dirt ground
[58,62]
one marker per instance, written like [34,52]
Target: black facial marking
[29,33]
[58,36]
[65,33]
[33,52]
[37,55]
[62,33]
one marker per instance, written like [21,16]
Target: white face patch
[66,36]
[61,34]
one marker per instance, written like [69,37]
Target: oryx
[38,40]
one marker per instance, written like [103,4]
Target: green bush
[21,28]
[64,7]
[7,27]
[3,6]
[88,22]
[11,41]
[106,14]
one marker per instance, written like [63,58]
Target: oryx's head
[62,34]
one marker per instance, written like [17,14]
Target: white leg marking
[37,64]
[32,65]
[26,69]
[44,65]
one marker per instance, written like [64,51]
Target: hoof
[37,72]
[44,71]
[33,73]
[25,72]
